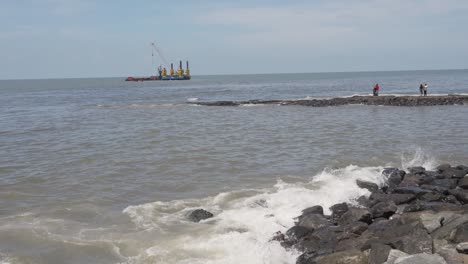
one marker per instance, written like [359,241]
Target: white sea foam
[192,99]
[244,221]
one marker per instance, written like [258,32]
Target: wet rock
[395,176]
[450,199]
[411,190]
[454,173]
[312,221]
[417,170]
[295,233]
[435,188]
[431,197]
[306,258]
[379,253]
[415,207]
[313,210]
[397,198]
[463,248]
[443,167]
[338,210]
[463,183]
[356,228]
[363,201]
[344,257]
[411,180]
[460,194]
[383,209]
[416,241]
[198,215]
[393,255]
[355,214]
[421,259]
[445,183]
[372,187]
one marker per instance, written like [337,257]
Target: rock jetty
[419,216]
[389,100]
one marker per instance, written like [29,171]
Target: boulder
[415,207]
[463,168]
[343,257]
[312,221]
[317,209]
[415,241]
[411,180]
[397,198]
[433,221]
[431,197]
[411,190]
[435,188]
[379,253]
[445,183]
[460,194]
[355,214]
[460,234]
[383,209]
[422,258]
[338,210]
[463,248]
[372,187]
[393,255]
[453,173]
[417,170]
[448,226]
[295,233]
[198,215]
[443,167]
[449,252]
[356,228]
[463,183]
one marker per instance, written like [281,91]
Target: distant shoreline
[387,100]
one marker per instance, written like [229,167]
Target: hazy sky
[91,38]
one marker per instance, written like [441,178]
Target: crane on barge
[181,74]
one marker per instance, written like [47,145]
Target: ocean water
[106,171]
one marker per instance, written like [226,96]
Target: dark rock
[431,197]
[461,195]
[415,207]
[443,167]
[313,210]
[415,241]
[411,190]
[441,206]
[312,221]
[355,214]
[363,201]
[463,183]
[453,173]
[306,258]
[447,228]
[461,234]
[379,253]
[295,233]
[199,214]
[395,176]
[356,228]
[321,241]
[338,210]
[397,198]
[435,188]
[445,183]
[372,187]
[411,180]
[383,209]
[450,199]
[343,257]
[417,170]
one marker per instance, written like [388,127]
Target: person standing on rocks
[425,89]
[376,89]
[421,89]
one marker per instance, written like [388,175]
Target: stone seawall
[388,100]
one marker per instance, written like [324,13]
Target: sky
[91,38]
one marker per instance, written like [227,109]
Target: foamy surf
[244,221]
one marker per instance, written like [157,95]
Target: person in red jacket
[376,89]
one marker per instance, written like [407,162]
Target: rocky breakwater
[364,100]
[419,216]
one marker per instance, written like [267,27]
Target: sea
[106,171]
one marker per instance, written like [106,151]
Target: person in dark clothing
[421,89]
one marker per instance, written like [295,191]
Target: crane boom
[155,48]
